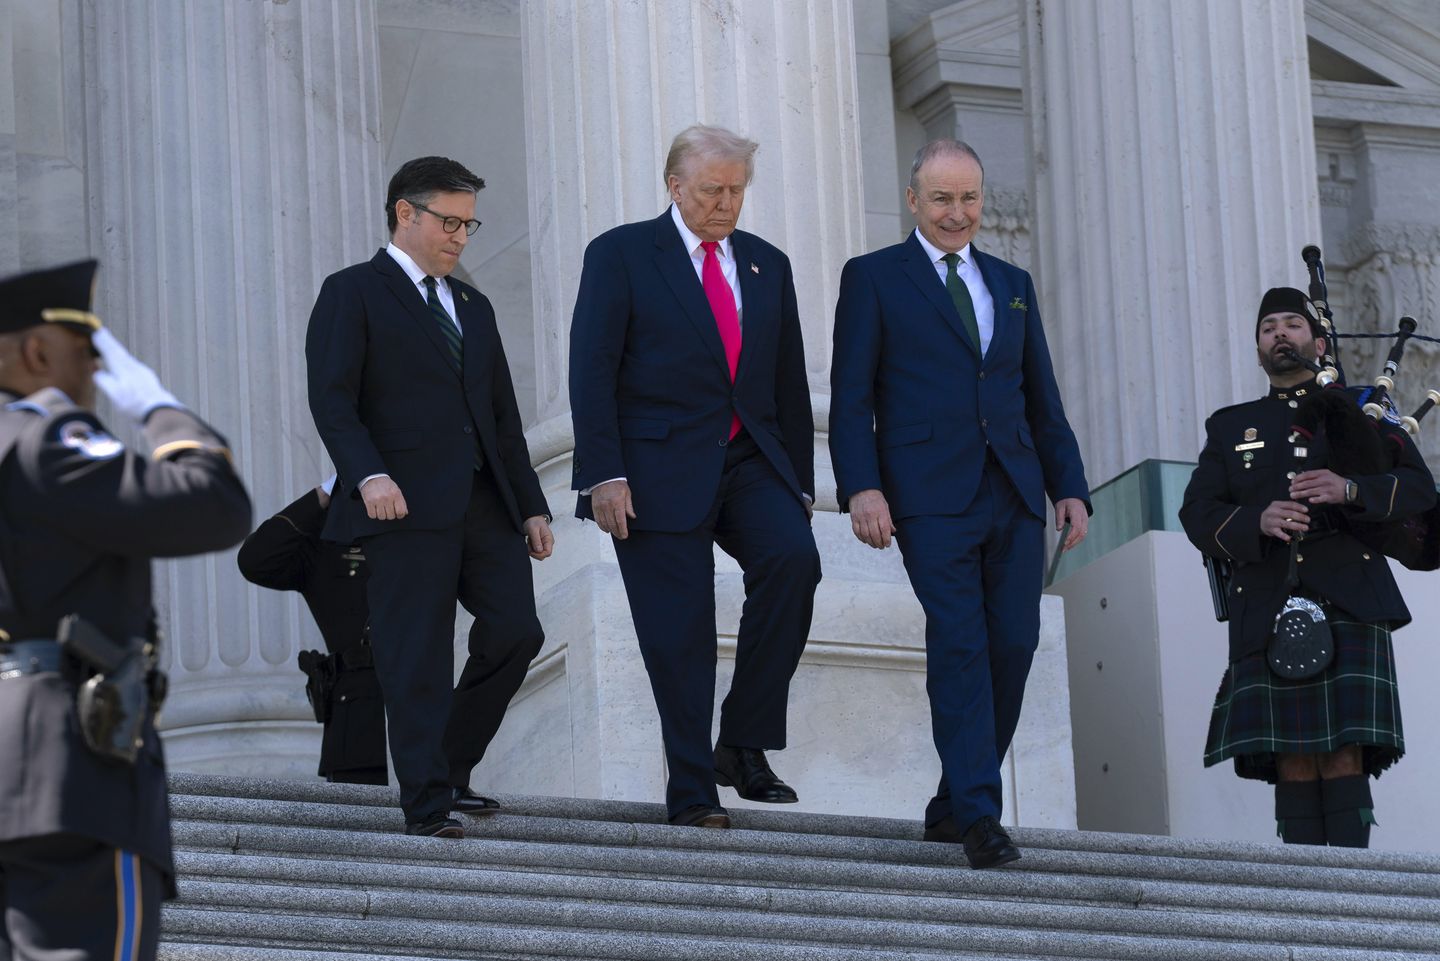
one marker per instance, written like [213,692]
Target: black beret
[1287,300]
[55,295]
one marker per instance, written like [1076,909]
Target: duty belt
[31,656]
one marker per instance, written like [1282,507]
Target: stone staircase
[289,871]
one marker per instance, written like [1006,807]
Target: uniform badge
[1250,433]
[89,440]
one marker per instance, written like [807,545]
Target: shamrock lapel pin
[1017,304]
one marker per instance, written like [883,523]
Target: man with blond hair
[693,428]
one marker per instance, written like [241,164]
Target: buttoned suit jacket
[650,389]
[913,405]
[387,400]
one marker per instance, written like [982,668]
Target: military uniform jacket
[80,518]
[1246,464]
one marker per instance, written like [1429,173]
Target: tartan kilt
[1353,701]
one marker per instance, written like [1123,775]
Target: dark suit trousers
[437,736]
[63,896]
[670,581]
[978,577]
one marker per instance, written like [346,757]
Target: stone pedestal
[1174,168]
[235,163]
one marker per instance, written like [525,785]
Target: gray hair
[715,143]
[942,148]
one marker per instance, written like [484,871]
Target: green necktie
[447,326]
[959,293]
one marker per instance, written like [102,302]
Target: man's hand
[1071,510]
[610,502]
[538,537]
[1318,487]
[383,500]
[1284,518]
[870,518]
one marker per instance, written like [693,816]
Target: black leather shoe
[746,770]
[987,845]
[701,816]
[438,826]
[468,802]
[943,831]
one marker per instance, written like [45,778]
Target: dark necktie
[451,333]
[960,294]
[448,330]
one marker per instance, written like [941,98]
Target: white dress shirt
[723,253]
[417,277]
[970,274]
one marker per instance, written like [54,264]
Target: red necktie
[722,305]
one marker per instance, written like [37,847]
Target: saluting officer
[286,554]
[85,856]
[1320,738]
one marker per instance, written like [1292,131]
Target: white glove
[131,386]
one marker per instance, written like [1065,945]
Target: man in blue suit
[411,393]
[947,431]
[693,428]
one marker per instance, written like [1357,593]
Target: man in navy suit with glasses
[411,394]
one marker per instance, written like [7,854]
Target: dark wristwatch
[1352,491]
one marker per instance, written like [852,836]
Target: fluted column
[236,162]
[1175,181]
[607,85]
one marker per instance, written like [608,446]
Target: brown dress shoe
[701,816]
[438,826]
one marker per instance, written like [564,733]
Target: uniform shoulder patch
[89,440]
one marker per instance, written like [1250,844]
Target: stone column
[608,85]
[234,163]
[1174,182]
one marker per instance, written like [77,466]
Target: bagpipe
[1361,430]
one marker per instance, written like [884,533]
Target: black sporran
[1302,645]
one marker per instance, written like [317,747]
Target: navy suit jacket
[650,390]
[387,400]
[913,405]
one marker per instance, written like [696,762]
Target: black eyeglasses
[450,224]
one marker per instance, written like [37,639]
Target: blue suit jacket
[650,390]
[387,400]
[913,405]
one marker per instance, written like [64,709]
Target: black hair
[422,178]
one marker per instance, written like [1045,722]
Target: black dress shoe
[468,802]
[701,816]
[437,826]
[746,770]
[987,845]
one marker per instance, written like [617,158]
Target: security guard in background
[85,856]
[1318,739]
[286,554]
